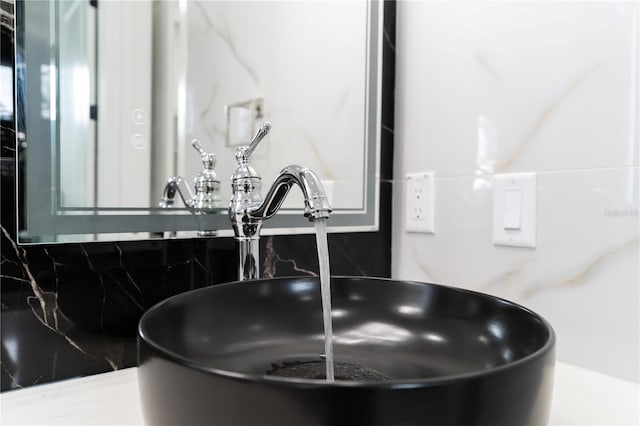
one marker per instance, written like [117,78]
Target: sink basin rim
[321,383]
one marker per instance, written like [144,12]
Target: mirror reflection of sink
[406,354]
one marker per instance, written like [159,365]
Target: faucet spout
[207,186]
[316,204]
[176,184]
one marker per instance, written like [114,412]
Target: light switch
[514,209]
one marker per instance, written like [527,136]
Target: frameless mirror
[111,94]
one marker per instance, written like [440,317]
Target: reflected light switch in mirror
[514,209]
[240,126]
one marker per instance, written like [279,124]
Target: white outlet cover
[515,209]
[420,202]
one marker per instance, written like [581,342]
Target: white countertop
[581,397]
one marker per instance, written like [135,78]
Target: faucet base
[207,233]
[249,257]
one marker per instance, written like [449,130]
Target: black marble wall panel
[71,310]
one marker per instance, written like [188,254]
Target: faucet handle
[207,184]
[196,144]
[244,152]
[260,134]
[208,158]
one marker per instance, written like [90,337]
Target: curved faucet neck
[176,184]
[247,200]
[316,204]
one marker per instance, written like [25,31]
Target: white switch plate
[515,209]
[419,202]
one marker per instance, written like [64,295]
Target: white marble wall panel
[308,61]
[547,87]
[582,276]
[517,86]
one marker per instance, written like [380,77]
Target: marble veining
[213,131]
[14,382]
[388,39]
[482,60]
[591,266]
[54,265]
[418,260]
[90,297]
[131,281]
[341,102]
[89,310]
[272,259]
[226,36]
[101,282]
[506,277]
[344,251]
[546,114]
[47,301]
[43,304]
[317,150]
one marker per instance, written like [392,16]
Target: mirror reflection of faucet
[206,183]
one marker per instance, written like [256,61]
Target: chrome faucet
[207,188]
[249,210]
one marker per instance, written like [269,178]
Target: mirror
[115,91]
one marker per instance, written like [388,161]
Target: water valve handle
[208,158]
[244,152]
[207,184]
[196,144]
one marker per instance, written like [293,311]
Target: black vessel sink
[420,354]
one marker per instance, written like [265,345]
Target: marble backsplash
[487,88]
[70,310]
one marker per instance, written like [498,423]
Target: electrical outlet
[419,202]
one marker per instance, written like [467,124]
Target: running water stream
[325,288]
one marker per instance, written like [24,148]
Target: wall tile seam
[539,172]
